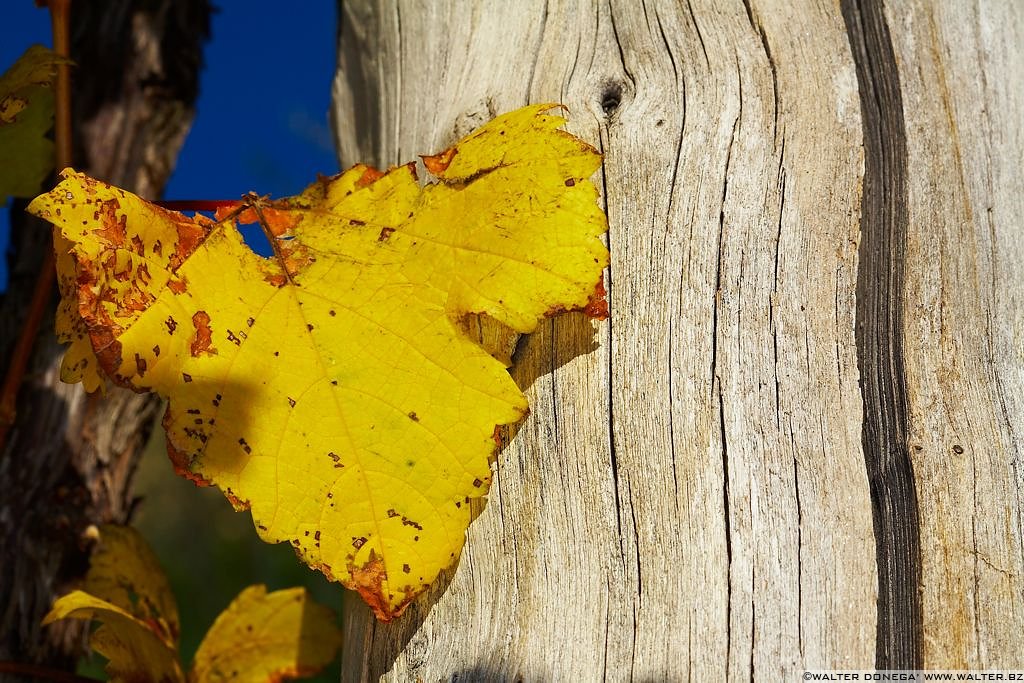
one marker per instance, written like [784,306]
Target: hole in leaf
[256,240]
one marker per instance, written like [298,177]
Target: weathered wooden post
[797,442]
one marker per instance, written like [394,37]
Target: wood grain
[727,479]
[689,497]
[964,317]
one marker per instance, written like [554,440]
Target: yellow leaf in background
[26,116]
[26,159]
[333,389]
[266,637]
[259,637]
[125,589]
[134,650]
[124,571]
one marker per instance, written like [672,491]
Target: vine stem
[60,19]
[44,672]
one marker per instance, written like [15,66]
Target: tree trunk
[797,442]
[70,457]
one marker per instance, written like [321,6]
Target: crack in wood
[879,339]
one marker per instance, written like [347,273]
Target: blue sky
[261,122]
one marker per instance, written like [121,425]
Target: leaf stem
[256,202]
[44,672]
[60,19]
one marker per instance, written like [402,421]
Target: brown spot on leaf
[408,522]
[413,416]
[597,307]
[186,377]
[181,460]
[439,163]
[190,236]
[237,503]
[172,325]
[108,349]
[385,233]
[202,338]
[245,446]
[277,279]
[369,580]
[177,286]
[370,175]
[140,365]
[291,402]
[278,222]
[113,231]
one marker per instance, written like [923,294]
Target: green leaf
[26,116]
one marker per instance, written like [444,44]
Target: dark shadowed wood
[880,330]
[70,457]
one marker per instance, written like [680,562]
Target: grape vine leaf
[26,116]
[332,389]
[267,637]
[26,158]
[260,636]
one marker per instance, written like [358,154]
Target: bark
[69,459]
[797,442]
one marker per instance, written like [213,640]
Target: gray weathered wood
[726,479]
[961,69]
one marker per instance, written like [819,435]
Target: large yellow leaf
[332,389]
[266,637]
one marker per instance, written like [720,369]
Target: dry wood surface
[797,442]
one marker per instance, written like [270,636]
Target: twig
[60,15]
[45,672]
